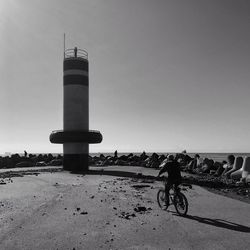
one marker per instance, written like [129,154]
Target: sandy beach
[101,210]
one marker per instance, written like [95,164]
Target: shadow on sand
[218,223]
[127,174]
[117,173]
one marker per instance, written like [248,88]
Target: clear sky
[165,75]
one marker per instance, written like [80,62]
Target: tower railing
[76,53]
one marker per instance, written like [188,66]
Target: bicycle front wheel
[181,203]
[161,198]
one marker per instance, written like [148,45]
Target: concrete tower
[75,135]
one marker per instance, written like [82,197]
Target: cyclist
[171,166]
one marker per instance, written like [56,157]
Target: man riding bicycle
[174,175]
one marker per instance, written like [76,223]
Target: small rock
[140,209]
[140,186]
[84,213]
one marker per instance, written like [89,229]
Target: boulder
[41,163]
[24,164]
[57,162]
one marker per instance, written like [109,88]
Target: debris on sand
[126,215]
[142,209]
[122,179]
[220,186]
[5,180]
[83,213]
[10,174]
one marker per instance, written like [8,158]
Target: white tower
[75,136]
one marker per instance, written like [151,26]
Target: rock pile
[30,160]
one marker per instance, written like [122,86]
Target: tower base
[76,162]
[75,147]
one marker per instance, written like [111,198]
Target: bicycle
[176,198]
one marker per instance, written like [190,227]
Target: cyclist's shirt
[173,169]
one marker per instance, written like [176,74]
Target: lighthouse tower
[75,135]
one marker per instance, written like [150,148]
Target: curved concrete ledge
[61,136]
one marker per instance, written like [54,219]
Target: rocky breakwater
[205,176]
[31,160]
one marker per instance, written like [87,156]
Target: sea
[215,156]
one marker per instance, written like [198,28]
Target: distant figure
[143,156]
[229,166]
[75,51]
[25,154]
[115,154]
[193,164]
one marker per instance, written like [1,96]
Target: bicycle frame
[175,197]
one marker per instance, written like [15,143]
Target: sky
[165,75]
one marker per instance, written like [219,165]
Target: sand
[59,210]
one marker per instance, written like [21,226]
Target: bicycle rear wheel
[181,203]
[161,199]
